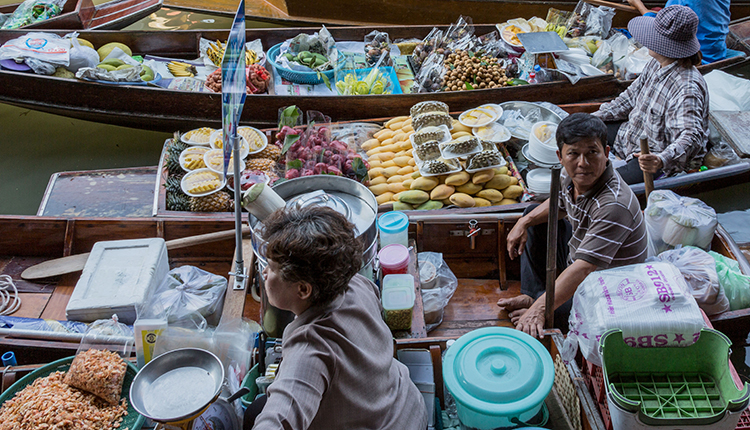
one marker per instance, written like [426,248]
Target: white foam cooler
[118,276]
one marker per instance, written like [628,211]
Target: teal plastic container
[393,227]
[249,382]
[672,387]
[498,376]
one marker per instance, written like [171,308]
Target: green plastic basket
[691,385]
[133,420]
[249,382]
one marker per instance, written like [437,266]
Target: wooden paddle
[648,178]
[619,6]
[74,263]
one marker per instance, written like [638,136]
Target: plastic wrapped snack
[672,220]
[377,45]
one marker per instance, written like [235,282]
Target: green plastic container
[133,420]
[673,387]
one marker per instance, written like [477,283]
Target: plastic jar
[393,228]
[394,258]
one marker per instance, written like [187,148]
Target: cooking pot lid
[498,370]
[321,198]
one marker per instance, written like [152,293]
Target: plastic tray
[308,78]
[418,160]
[219,168]
[133,420]
[388,72]
[184,137]
[186,179]
[157,78]
[493,132]
[446,135]
[447,154]
[492,116]
[200,150]
[458,168]
[493,166]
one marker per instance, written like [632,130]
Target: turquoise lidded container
[498,376]
[393,228]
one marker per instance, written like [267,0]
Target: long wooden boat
[84,14]
[149,107]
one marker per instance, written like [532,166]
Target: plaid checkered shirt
[670,105]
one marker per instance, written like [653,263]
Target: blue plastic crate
[307,78]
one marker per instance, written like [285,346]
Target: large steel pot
[346,196]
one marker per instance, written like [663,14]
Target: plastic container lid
[398,280]
[394,255]
[498,371]
[398,298]
[393,222]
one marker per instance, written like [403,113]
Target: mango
[490,194]
[401,206]
[498,182]
[513,180]
[407,183]
[482,176]
[374,172]
[457,179]
[375,163]
[441,192]
[389,163]
[396,187]
[395,178]
[390,171]
[124,66]
[396,119]
[396,125]
[379,189]
[384,198]
[406,170]
[457,126]
[424,183]
[430,205]
[113,62]
[416,174]
[501,170]
[407,128]
[414,197]
[85,42]
[105,50]
[462,200]
[402,161]
[378,180]
[107,67]
[380,134]
[369,144]
[457,134]
[405,144]
[513,192]
[469,188]
[146,73]
[480,202]
[385,156]
[446,202]
[505,202]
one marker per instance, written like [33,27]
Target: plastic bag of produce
[304,52]
[81,56]
[650,302]
[431,43]
[736,285]
[98,366]
[634,63]
[371,80]
[188,289]
[699,270]
[459,35]
[438,285]
[377,46]
[46,47]
[31,11]
[429,79]
[672,220]
[720,154]
[559,21]
[590,20]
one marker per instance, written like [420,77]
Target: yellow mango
[396,125]
[505,202]
[396,119]
[424,183]
[379,189]
[462,200]
[414,197]
[383,134]
[490,194]
[405,144]
[397,195]
[407,182]
[458,178]
[401,206]
[374,163]
[480,202]
[386,142]
[457,126]
[378,180]
[501,170]
[369,144]
[513,192]
[406,170]
[398,136]
[390,171]
[407,128]
[395,178]
[441,192]
[389,163]
[469,188]
[374,172]
[482,176]
[457,134]
[393,147]
[385,156]
[416,174]
[401,153]
[412,162]
[513,180]
[407,121]
[384,198]
[446,202]
[396,187]
[498,182]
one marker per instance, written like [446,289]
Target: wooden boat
[162,109]
[83,14]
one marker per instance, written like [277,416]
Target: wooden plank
[234,300]
[55,309]
[32,304]
[734,127]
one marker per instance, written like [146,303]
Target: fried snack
[98,372]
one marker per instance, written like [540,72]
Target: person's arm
[532,322]
[294,397]
[685,123]
[517,237]
[638,4]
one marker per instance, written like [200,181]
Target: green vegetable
[374,83]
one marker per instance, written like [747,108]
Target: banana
[180,69]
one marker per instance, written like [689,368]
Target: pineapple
[177,201]
[173,157]
[265,164]
[173,184]
[271,151]
[216,202]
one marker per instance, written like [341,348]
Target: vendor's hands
[531,321]
[517,240]
[650,163]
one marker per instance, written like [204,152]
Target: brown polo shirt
[608,227]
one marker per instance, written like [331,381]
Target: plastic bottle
[532,77]
[146,332]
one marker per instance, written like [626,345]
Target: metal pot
[346,196]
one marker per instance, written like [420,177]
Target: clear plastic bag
[650,302]
[590,20]
[46,47]
[699,270]
[620,49]
[188,289]
[423,49]
[32,11]
[720,154]
[81,56]
[98,366]
[191,331]
[378,48]
[434,272]
[634,63]
[736,285]
[320,46]
[430,76]
[602,58]
[672,220]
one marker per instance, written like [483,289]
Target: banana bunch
[180,69]
[215,53]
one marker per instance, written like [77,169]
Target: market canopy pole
[233,95]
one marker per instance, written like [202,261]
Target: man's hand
[517,240]
[650,163]
[532,321]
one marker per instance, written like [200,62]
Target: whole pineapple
[265,164]
[173,157]
[271,152]
[172,184]
[216,202]
[178,202]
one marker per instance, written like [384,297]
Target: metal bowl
[177,385]
[525,108]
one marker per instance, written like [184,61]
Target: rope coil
[9,299]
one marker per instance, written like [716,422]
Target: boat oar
[554,210]
[74,263]
[619,6]
[648,178]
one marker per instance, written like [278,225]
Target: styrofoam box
[118,276]
[419,363]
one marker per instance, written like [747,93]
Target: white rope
[9,300]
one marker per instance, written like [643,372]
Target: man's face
[584,161]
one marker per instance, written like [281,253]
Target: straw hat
[671,34]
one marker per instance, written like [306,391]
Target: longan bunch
[479,71]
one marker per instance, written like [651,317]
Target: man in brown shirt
[605,227]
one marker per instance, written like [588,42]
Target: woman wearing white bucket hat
[668,102]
